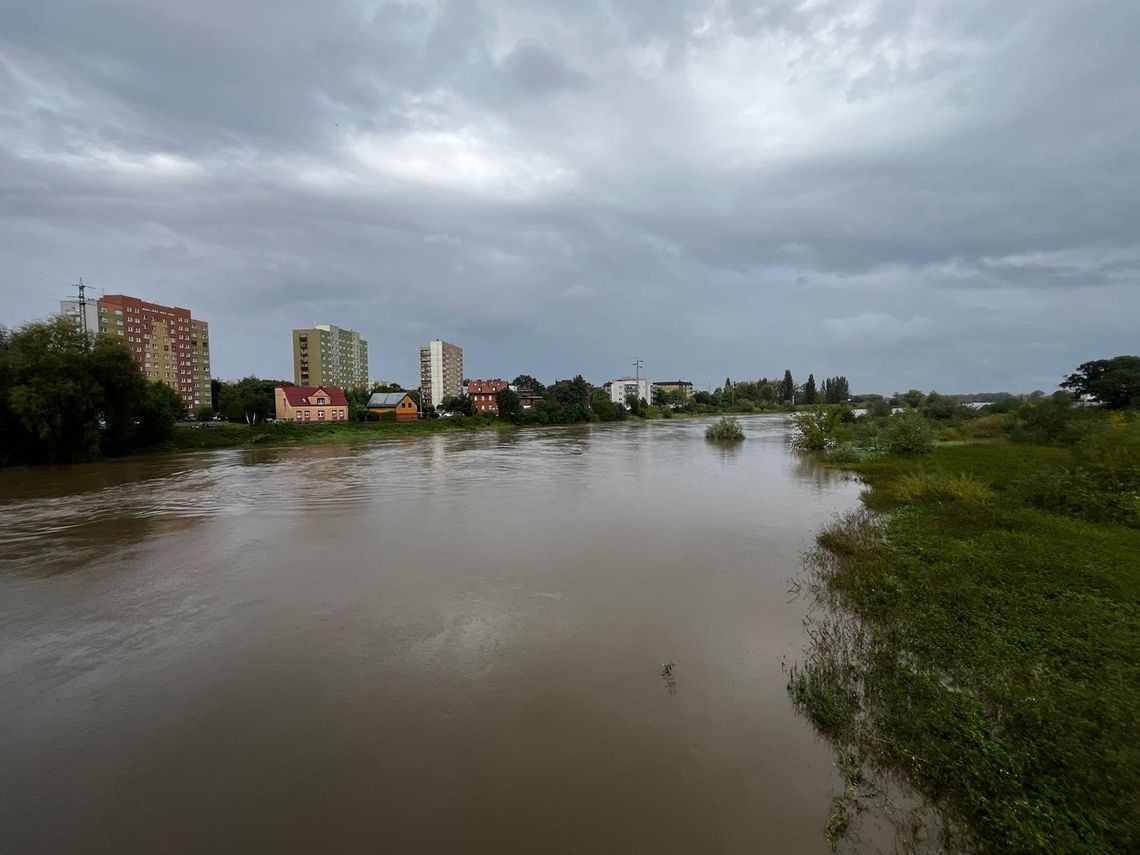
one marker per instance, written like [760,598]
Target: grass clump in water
[726,429]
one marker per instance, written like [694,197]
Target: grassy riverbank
[234,434]
[985,641]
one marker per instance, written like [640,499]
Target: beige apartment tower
[327,355]
[165,341]
[441,372]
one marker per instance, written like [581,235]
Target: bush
[909,434]
[1102,484]
[846,453]
[1054,421]
[816,429]
[607,411]
[942,408]
[726,430]
[986,427]
[879,408]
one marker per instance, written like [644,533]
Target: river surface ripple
[425,644]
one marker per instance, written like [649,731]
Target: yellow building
[309,404]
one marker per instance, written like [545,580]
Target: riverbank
[982,645]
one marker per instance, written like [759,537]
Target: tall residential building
[326,355]
[165,341]
[441,372]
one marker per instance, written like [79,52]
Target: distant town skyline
[921,195]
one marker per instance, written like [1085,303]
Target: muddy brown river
[424,644]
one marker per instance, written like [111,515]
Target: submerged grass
[992,655]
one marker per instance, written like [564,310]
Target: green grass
[996,660]
[233,434]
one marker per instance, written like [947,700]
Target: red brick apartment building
[165,341]
[482,394]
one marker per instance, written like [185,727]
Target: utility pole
[82,309]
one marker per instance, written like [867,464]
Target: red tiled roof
[486,387]
[298,396]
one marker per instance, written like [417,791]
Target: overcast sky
[914,194]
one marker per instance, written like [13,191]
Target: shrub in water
[726,430]
[844,454]
[816,429]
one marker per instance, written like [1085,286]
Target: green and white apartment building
[327,355]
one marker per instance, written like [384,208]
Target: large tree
[811,395]
[66,396]
[250,399]
[52,393]
[786,388]
[836,390]
[508,404]
[1114,382]
[525,381]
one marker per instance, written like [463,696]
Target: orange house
[308,404]
[400,403]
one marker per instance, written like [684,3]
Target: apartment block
[620,389]
[165,341]
[327,355]
[683,388]
[441,372]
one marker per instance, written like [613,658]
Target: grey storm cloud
[910,193]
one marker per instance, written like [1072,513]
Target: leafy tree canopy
[1114,382]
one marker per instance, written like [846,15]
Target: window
[298,415]
[320,415]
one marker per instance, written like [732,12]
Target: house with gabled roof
[311,404]
[401,404]
[484,395]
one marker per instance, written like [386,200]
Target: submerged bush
[909,434]
[846,453]
[816,429]
[726,430]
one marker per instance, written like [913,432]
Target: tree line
[783,391]
[68,397]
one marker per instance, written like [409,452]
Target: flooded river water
[437,643]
